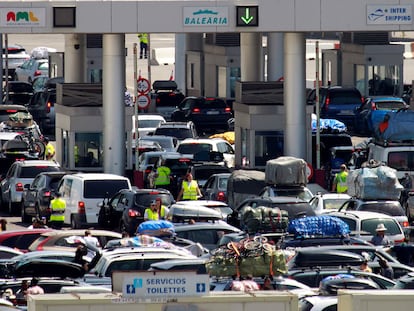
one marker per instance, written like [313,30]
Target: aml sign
[22,17]
[209,16]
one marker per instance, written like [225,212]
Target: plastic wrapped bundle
[323,225]
[286,171]
[156,228]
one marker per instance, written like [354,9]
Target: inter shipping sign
[389,14]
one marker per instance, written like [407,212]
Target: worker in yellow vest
[143,45]
[57,212]
[340,180]
[189,189]
[163,177]
[151,213]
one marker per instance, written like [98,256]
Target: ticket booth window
[88,150]
[268,145]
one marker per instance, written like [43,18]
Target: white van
[84,191]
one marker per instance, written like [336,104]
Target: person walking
[163,177]
[380,239]
[189,189]
[340,181]
[143,45]
[50,150]
[57,216]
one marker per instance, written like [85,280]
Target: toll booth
[79,128]
[260,119]
[373,69]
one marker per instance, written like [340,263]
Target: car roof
[361,214]
[203,140]
[220,225]
[81,232]
[98,176]
[145,116]
[333,195]
[37,163]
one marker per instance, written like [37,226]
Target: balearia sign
[22,17]
[209,16]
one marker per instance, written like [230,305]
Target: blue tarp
[323,225]
[328,124]
[400,126]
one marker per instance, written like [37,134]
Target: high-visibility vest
[143,38]
[341,185]
[190,191]
[163,177]
[50,150]
[152,215]
[58,207]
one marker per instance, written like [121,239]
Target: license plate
[212,112]
[346,112]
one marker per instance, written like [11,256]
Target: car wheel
[73,223]
[25,218]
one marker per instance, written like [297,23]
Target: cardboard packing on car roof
[286,171]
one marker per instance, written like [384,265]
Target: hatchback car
[203,145]
[373,110]
[215,187]
[340,103]
[363,225]
[31,68]
[125,210]
[37,196]
[388,207]
[207,113]
[19,174]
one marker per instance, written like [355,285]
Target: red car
[21,239]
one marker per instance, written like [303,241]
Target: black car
[37,196]
[207,113]
[294,206]
[125,210]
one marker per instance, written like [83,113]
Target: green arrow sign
[247,16]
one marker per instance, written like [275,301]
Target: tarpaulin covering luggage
[328,125]
[253,257]
[374,183]
[156,228]
[286,171]
[243,184]
[322,225]
[400,126]
[264,219]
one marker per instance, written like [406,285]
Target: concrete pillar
[295,95]
[251,56]
[75,58]
[275,57]
[180,60]
[113,84]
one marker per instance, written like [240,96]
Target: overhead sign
[247,16]
[389,14]
[161,284]
[22,17]
[206,16]
[143,85]
[143,101]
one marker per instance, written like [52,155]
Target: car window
[391,209]
[390,105]
[149,123]
[370,225]
[211,103]
[341,97]
[180,133]
[33,171]
[146,198]
[103,188]
[351,222]
[223,183]
[194,148]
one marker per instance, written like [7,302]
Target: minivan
[84,191]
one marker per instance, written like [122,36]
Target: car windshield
[392,209]
[300,193]
[144,199]
[370,225]
[180,133]
[390,105]
[33,171]
[95,189]
[194,148]
[333,203]
[342,97]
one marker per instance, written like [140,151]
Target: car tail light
[196,110]
[49,104]
[373,106]
[227,109]
[133,213]
[11,110]
[158,100]
[327,102]
[221,196]
[46,194]
[37,73]
[147,171]
[171,94]
[19,187]
[362,99]
[399,241]
[405,224]
[81,207]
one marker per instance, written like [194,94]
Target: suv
[16,56]
[84,191]
[125,210]
[337,102]
[200,145]
[165,97]
[179,130]
[207,113]
[37,196]
[19,174]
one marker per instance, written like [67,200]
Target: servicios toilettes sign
[206,16]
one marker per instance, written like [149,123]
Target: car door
[183,110]
[208,189]
[5,184]
[30,195]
